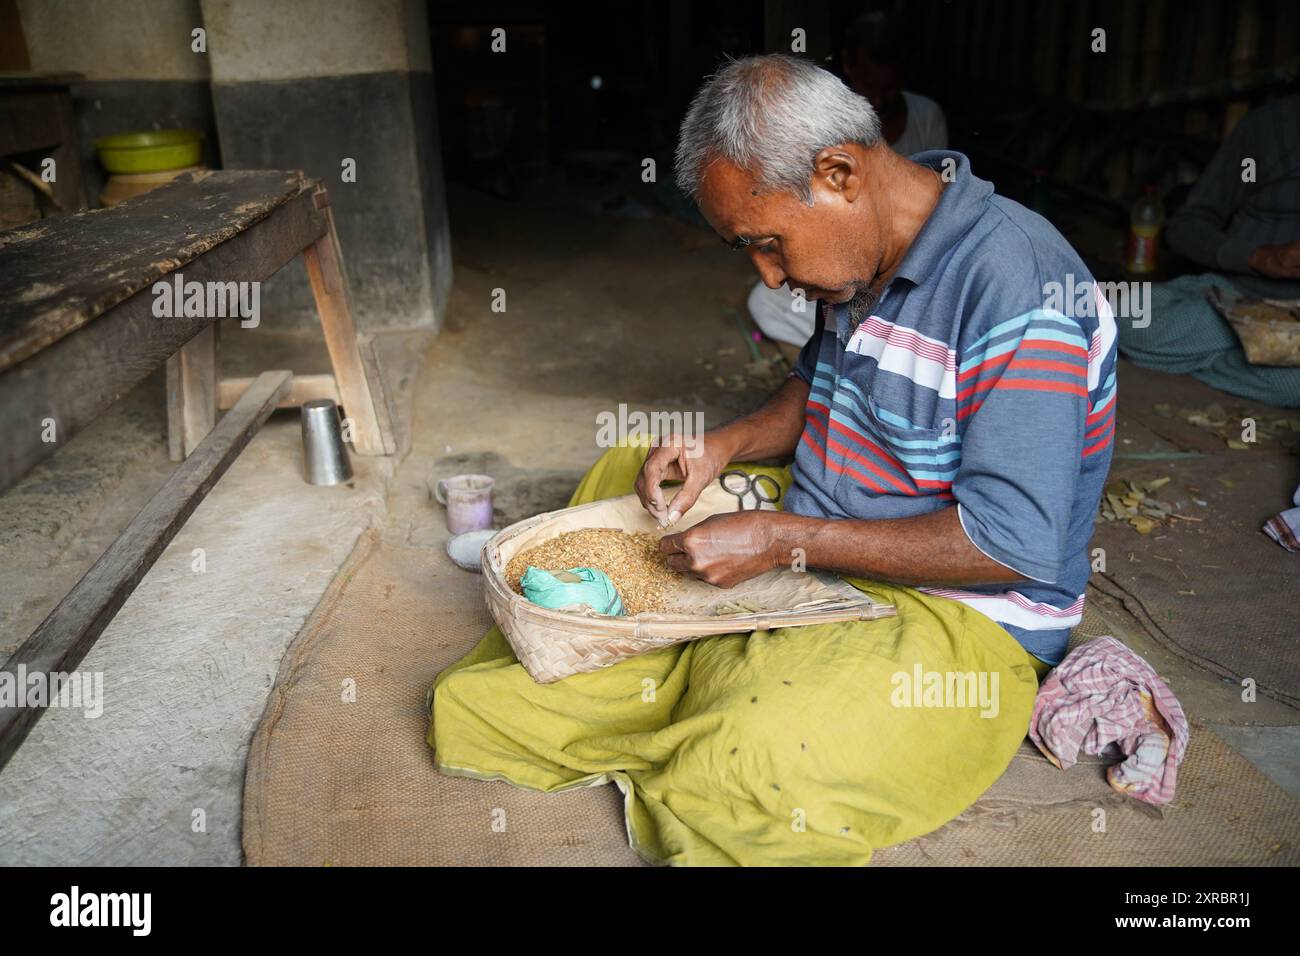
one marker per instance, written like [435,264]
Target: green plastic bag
[578,586]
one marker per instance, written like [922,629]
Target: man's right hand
[770,432]
[695,461]
[1277,262]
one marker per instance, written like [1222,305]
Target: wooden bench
[78,330]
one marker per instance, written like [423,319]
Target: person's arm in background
[1199,229]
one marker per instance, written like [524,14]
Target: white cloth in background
[773,309]
[927,127]
[774,314]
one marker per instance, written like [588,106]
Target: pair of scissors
[742,485]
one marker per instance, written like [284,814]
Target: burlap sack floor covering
[1177,581]
[339,773]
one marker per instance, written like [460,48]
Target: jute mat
[1215,590]
[339,773]
[1220,593]
[333,782]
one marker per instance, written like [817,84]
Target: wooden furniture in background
[78,329]
[77,324]
[36,122]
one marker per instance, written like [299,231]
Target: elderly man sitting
[951,435]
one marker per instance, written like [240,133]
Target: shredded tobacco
[631,559]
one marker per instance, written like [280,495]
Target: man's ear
[838,170]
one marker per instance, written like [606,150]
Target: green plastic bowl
[154,151]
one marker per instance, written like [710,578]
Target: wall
[139,70]
[305,84]
[294,84]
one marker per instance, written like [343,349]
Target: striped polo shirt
[983,379]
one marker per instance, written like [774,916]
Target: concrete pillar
[310,84]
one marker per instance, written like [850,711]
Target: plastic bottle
[1147,219]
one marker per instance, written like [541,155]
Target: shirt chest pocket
[924,459]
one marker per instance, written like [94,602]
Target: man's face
[831,250]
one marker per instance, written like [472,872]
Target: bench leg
[363,397]
[192,393]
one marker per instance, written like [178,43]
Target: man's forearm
[772,431]
[1197,235]
[929,549]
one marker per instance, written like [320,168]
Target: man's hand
[1277,262]
[771,432]
[695,461]
[727,548]
[929,549]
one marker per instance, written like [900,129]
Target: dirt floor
[601,310]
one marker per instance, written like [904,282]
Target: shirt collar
[960,204]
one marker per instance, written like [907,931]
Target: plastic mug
[468,499]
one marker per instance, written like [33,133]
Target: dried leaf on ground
[1128,500]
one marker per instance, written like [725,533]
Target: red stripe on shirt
[1102,442]
[843,449]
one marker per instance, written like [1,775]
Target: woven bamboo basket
[1269,341]
[553,644]
[1269,329]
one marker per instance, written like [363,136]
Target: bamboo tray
[553,644]
[1269,329]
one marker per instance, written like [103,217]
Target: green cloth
[784,747]
[594,589]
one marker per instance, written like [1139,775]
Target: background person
[1246,230]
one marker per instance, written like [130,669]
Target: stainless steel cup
[325,459]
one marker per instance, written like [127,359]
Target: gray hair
[770,115]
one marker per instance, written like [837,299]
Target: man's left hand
[725,549]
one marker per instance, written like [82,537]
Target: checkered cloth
[1104,699]
[1284,528]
